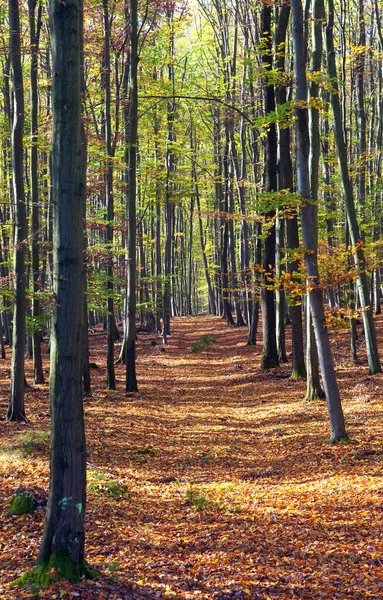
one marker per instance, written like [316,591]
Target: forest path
[215,480]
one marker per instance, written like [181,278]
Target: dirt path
[215,481]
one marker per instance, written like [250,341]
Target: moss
[22,504]
[268,363]
[341,440]
[298,373]
[58,566]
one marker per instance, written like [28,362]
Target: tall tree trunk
[61,553]
[359,257]
[110,375]
[309,228]
[313,389]
[131,379]
[34,37]
[360,66]
[169,200]
[16,411]
[269,355]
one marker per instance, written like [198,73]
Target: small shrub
[110,488]
[210,456]
[204,342]
[196,500]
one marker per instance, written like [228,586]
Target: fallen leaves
[213,482]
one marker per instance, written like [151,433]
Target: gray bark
[131,142]
[16,410]
[359,257]
[34,36]
[110,375]
[64,525]
[309,228]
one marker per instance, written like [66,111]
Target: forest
[190,305]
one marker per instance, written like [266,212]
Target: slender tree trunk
[360,68]
[169,200]
[359,257]
[314,389]
[34,36]
[110,375]
[309,228]
[158,291]
[16,411]
[131,379]
[269,355]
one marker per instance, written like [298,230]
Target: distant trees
[195,199]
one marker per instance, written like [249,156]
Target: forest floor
[215,481]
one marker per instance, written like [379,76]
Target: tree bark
[309,228]
[269,354]
[61,553]
[16,410]
[359,257]
[131,378]
[110,375]
[34,37]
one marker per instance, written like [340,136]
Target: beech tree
[348,195]
[61,553]
[309,227]
[16,410]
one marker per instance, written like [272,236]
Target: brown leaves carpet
[215,481]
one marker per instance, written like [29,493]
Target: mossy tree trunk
[64,537]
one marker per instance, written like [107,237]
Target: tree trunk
[62,550]
[16,411]
[309,228]
[359,257]
[34,36]
[131,144]
[269,355]
[110,375]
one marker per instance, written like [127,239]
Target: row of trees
[198,155]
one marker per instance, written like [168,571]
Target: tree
[270,354]
[110,375]
[348,195]
[131,159]
[309,227]
[34,35]
[16,410]
[61,553]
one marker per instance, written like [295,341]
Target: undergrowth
[204,342]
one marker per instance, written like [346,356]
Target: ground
[216,480]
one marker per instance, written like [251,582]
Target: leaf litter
[215,481]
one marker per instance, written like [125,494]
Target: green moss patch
[58,567]
[22,504]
